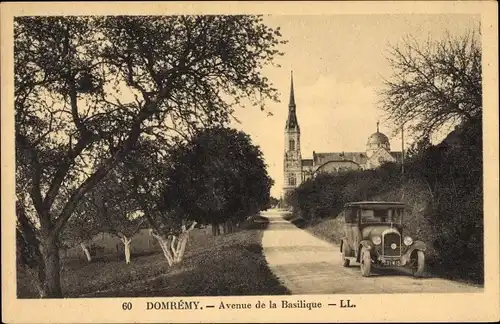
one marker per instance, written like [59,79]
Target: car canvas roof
[374,203]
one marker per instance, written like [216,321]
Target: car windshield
[382,215]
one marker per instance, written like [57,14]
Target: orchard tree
[434,84]
[82,227]
[124,226]
[87,89]
[144,172]
[218,177]
[119,213]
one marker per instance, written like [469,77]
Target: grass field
[231,264]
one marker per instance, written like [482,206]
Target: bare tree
[434,84]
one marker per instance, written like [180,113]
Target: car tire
[345,262]
[366,262]
[419,266]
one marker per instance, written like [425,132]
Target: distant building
[296,170]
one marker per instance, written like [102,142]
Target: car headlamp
[376,240]
[408,241]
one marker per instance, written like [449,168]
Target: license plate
[391,263]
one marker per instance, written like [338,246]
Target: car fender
[364,244]
[416,246]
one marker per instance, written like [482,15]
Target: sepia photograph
[176,156]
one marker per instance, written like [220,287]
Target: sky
[338,63]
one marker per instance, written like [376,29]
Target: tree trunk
[165,247]
[52,284]
[214,231]
[181,246]
[35,279]
[126,243]
[86,251]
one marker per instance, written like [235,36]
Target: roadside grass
[231,264]
[296,220]
[329,229]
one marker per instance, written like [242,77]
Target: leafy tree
[121,215]
[81,229]
[144,172]
[435,84]
[218,177]
[108,208]
[88,88]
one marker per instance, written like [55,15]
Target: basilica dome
[378,139]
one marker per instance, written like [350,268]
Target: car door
[355,233]
[350,228]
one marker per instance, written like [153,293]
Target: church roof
[307,162]
[358,157]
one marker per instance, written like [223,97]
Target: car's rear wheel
[418,263]
[366,262]
[345,262]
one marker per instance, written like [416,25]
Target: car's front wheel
[418,263]
[366,262]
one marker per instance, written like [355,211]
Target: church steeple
[292,162]
[291,122]
[292,94]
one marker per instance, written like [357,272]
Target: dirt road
[306,264]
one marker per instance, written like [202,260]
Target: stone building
[296,170]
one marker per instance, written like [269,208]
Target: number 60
[127,306]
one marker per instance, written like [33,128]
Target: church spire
[378,122]
[291,122]
[292,94]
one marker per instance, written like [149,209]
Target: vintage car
[373,236]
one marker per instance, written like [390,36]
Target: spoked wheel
[345,262]
[417,263]
[366,262]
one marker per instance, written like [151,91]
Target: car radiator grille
[388,240]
